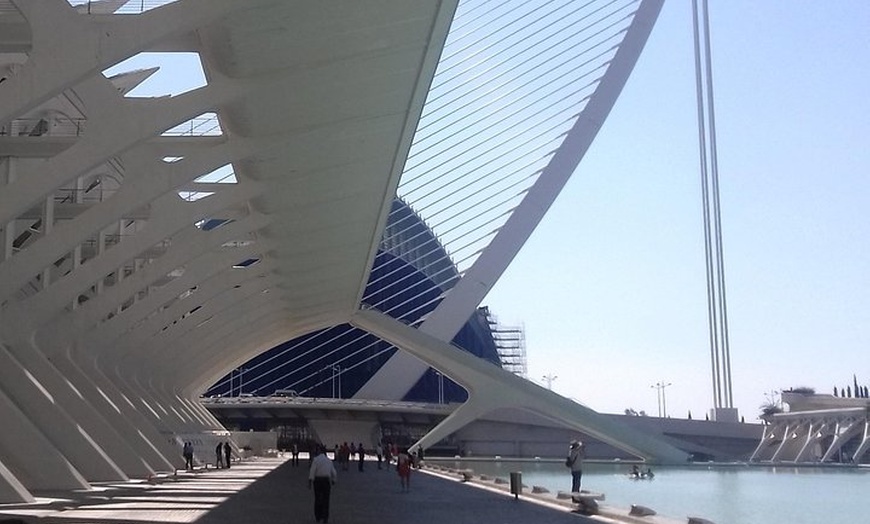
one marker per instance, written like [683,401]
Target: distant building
[411,273]
[816,429]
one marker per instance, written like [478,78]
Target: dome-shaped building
[411,273]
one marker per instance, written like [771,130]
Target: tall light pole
[336,373]
[440,386]
[549,378]
[660,397]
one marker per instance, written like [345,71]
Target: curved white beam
[491,388]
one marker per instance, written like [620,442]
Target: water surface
[724,494]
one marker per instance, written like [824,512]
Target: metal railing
[44,127]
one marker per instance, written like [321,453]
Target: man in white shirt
[321,477]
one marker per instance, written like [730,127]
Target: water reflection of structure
[816,429]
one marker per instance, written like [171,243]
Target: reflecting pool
[729,494]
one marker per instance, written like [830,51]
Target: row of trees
[860,392]
[854,391]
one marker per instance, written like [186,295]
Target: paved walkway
[272,491]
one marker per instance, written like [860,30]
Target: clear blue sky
[611,287]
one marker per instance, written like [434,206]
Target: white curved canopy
[150,245]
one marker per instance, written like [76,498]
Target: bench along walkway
[272,491]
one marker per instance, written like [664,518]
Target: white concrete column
[127,420]
[865,443]
[844,430]
[118,437]
[12,491]
[768,438]
[813,435]
[29,455]
[36,389]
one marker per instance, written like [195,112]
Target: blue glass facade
[410,274]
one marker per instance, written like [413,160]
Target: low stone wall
[583,502]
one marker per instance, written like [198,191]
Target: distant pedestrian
[387,454]
[219,455]
[576,454]
[345,456]
[362,455]
[403,466]
[379,452]
[228,454]
[321,477]
[295,456]
[187,452]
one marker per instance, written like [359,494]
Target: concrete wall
[521,434]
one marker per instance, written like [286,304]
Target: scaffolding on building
[510,342]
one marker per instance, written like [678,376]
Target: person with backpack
[574,460]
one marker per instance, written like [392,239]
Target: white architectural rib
[88,44]
[491,388]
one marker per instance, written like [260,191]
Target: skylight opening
[246,263]
[88,7]
[213,223]
[151,75]
[221,175]
[237,243]
[193,196]
[206,124]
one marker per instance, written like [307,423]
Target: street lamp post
[660,397]
[336,376]
[549,378]
[440,386]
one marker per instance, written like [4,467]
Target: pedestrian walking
[321,478]
[403,466]
[187,452]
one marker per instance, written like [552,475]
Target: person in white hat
[576,454]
